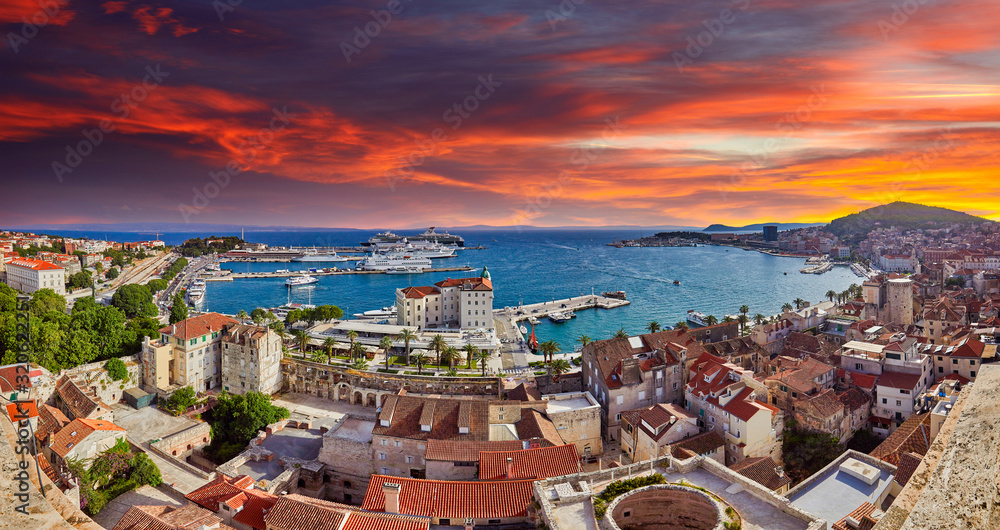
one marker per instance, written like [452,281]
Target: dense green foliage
[704,236]
[620,487]
[198,246]
[236,419]
[903,215]
[180,400]
[80,280]
[89,333]
[174,269]
[179,309]
[57,246]
[156,286]
[134,300]
[806,452]
[111,473]
[317,314]
[112,273]
[116,369]
[864,441]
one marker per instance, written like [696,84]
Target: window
[619,400]
[954,361]
[385,442]
[972,362]
[409,459]
[381,456]
[659,391]
[885,401]
[399,443]
[642,394]
[903,391]
[940,369]
[857,366]
[899,403]
[618,417]
[972,374]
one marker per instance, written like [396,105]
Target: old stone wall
[182,444]
[566,383]
[349,463]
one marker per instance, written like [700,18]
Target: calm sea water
[536,266]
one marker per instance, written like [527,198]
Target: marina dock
[289,274]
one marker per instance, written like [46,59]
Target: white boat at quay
[405,270]
[377,262]
[385,312]
[304,279]
[311,254]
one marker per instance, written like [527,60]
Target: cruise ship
[418,250]
[311,254]
[304,279]
[377,262]
[443,238]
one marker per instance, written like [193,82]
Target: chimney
[780,471]
[673,420]
[391,492]
[469,523]
[510,468]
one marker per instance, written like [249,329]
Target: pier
[515,355]
[289,274]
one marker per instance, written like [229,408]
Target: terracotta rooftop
[538,463]
[453,499]
[407,414]
[823,405]
[198,326]
[9,378]
[898,380]
[21,411]
[863,515]
[80,404]
[50,420]
[384,521]
[523,392]
[419,292]
[913,436]
[187,517]
[854,399]
[535,426]
[474,283]
[34,264]
[255,507]
[655,416]
[467,451]
[219,490]
[697,445]
[73,433]
[762,470]
[908,463]
[660,347]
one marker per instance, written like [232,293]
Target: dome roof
[486,273]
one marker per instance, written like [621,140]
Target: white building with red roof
[29,275]
[728,400]
[187,353]
[82,439]
[455,303]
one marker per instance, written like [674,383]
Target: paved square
[149,423]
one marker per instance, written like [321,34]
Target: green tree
[758,319]
[242,316]
[438,343]
[134,300]
[484,357]
[360,364]
[584,340]
[116,369]
[179,309]
[743,320]
[386,344]
[653,326]
[548,349]
[112,273]
[831,294]
[681,326]
[144,471]
[470,353]
[421,360]
[806,452]
[711,320]
[787,307]
[352,336]
[620,334]
[357,351]
[156,285]
[45,300]
[80,280]
[302,337]
[329,344]
[236,419]
[449,355]
[558,367]
[181,399]
[798,303]
[406,335]
[258,315]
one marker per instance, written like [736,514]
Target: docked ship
[696,318]
[311,254]
[443,238]
[385,312]
[617,295]
[418,250]
[412,269]
[559,316]
[275,254]
[377,262]
[282,311]
[196,292]
[298,281]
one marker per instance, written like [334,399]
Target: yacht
[533,321]
[428,235]
[558,316]
[385,312]
[196,292]
[304,279]
[377,262]
[311,254]
[696,318]
[282,311]
[617,295]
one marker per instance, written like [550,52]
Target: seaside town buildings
[29,275]
[459,303]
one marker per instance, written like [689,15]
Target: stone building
[798,379]
[577,417]
[78,403]
[460,303]
[347,453]
[900,303]
[188,353]
[30,275]
[251,359]
[647,431]
[634,372]
[459,460]
[940,315]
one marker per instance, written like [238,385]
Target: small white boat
[404,270]
[385,312]
[298,281]
[523,329]
[533,320]
[558,316]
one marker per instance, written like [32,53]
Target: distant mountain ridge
[903,215]
[757,227]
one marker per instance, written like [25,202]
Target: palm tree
[744,309]
[711,320]
[351,335]
[484,356]
[438,343]
[584,340]
[359,350]
[798,303]
[421,360]
[385,344]
[548,349]
[727,319]
[653,326]
[360,365]
[743,320]
[620,334]
[303,338]
[242,315]
[470,351]
[558,367]
[759,319]
[449,355]
[831,294]
[682,326]
[329,344]
[451,372]
[406,335]
[786,307]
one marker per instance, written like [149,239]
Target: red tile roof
[384,521]
[419,291]
[198,326]
[219,490]
[34,264]
[969,348]
[898,380]
[80,404]
[862,515]
[655,416]
[467,451]
[256,506]
[762,470]
[50,420]
[406,414]
[908,463]
[9,377]
[298,511]
[21,411]
[912,436]
[453,499]
[477,283]
[697,445]
[539,463]
[187,517]
[72,434]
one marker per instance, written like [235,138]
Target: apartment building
[964,358]
[251,359]
[188,353]
[646,432]
[630,373]
[29,275]
[460,303]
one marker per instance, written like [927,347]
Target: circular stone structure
[665,507]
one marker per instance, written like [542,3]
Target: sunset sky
[516,112]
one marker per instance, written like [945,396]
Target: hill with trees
[198,246]
[902,215]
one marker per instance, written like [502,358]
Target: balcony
[733,439]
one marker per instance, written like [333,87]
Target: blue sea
[539,265]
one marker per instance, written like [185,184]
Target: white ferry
[429,235]
[196,292]
[377,262]
[311,254]
[304,279]
[418,250]
[696,318]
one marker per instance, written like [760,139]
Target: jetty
[320,272]
[507,320]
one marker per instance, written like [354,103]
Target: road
[193,269]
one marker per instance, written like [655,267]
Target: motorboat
[558,316]
[533,321]
[298,281]
[405,270]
